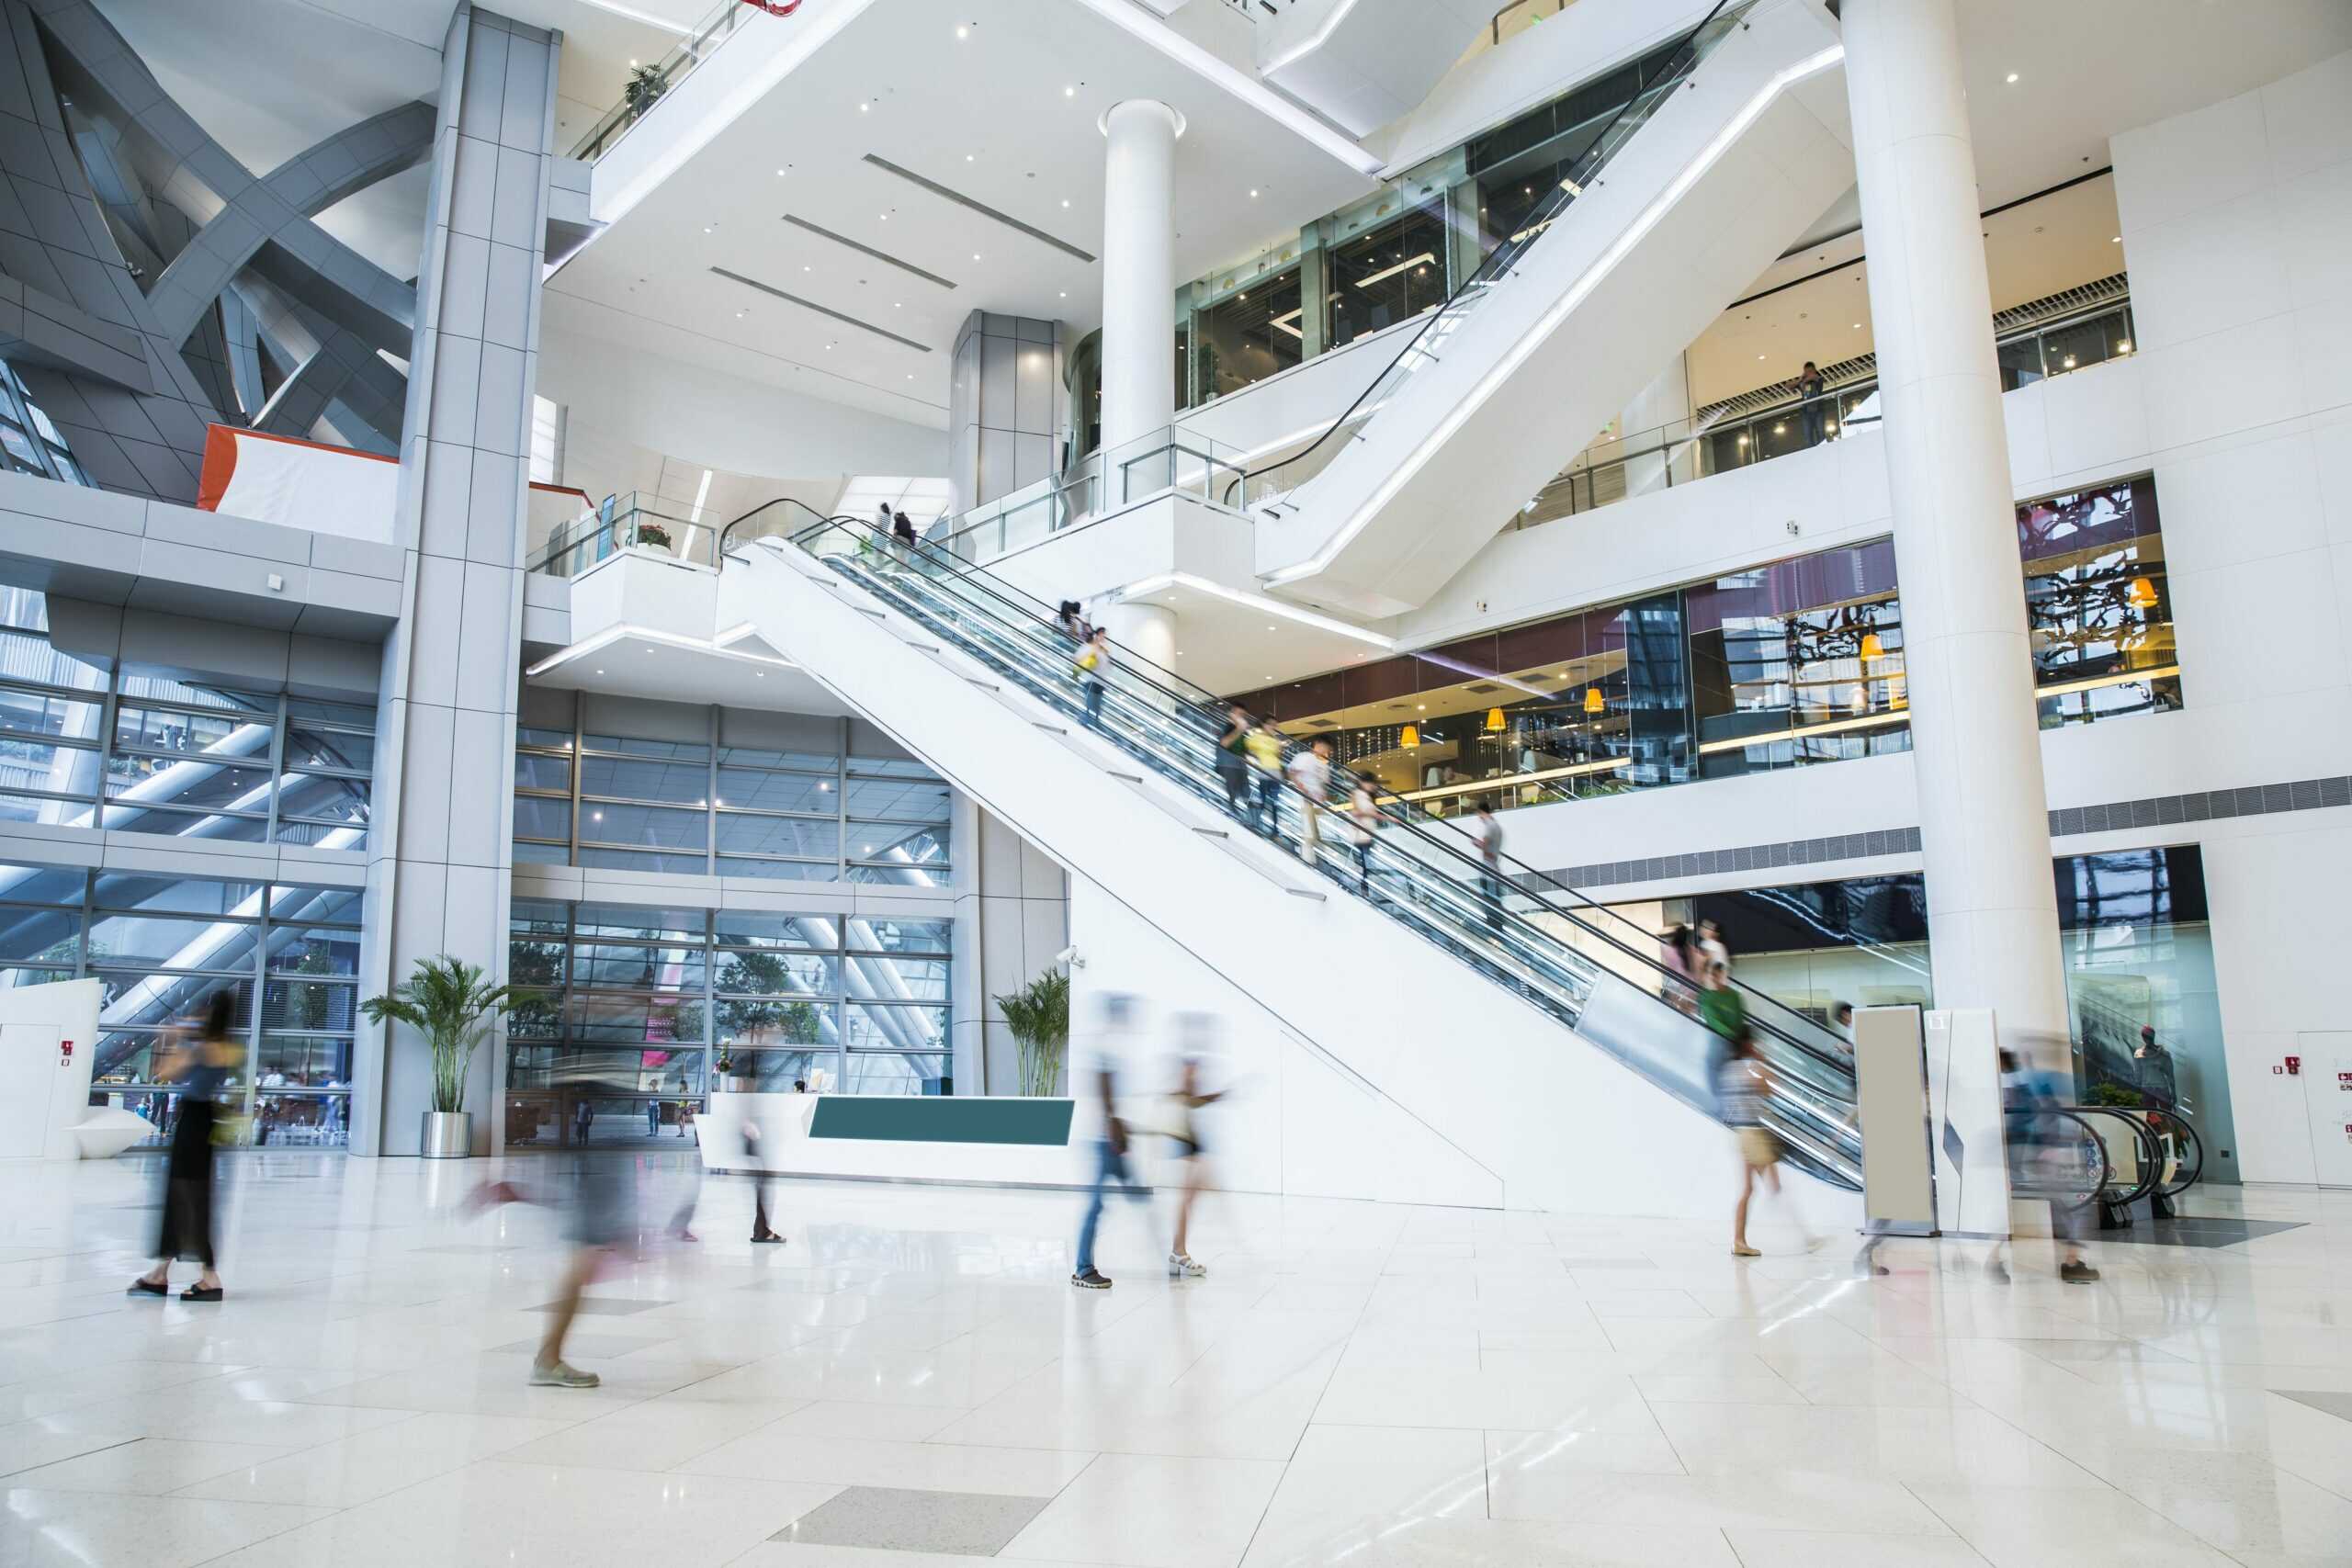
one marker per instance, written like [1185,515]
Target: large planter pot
[447,1135]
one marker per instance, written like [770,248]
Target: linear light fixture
[1282,324]
[611,635]
[1315,40]
[822,310]
[1512,781]
[1606,264]
[1131,19]
[1385,274]
[1165,579]
[865,250]
[948,193]
[1835,727]
[2097,682]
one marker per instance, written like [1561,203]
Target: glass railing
[1602,978]
[1427,346]
[648,85]
[1170,460]
[1681,453]
[633,520]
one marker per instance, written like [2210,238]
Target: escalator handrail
[2151,1157]
[1485,272]
[1047,631]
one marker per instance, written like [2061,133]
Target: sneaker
[2077,1273]
[561,1374]
[1089,1279]
[1182,1267]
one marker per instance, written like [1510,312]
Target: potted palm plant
[644,89]
[1038,1015]
[452,1004]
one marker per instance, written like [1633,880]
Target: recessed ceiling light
[1254,196]
[708,227]
[968,158]
[886,218]
[805,267]
[963,32]
[600,671]
[779,174]
[2013,76]
[739,315]
[1759,357]
[632,62]
[1065,201]
[976,255]
[2117,241]
[1065,293]
[1069,92]
[864,108]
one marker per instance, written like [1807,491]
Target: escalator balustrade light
[1410,736]
[1493,721]
[1593,701]
[2141,595]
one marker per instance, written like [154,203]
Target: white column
[1146,632]
[1976,750]
[1139,270]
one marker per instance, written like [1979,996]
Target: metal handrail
[1487,271]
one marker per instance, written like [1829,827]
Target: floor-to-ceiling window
[86,744]
[631,1015]
[162,945]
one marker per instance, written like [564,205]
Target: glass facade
[631,1015]
[710,808]
[162,945]
[2135,932]
[1782,665]
[29,442]
[83,746]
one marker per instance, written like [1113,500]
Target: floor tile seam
[102,1448]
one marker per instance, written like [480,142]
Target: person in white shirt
[1310,774]
[1363,825]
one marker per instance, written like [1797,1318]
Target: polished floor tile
[912,1384]
[891,1518]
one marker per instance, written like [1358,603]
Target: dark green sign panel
[933,1118]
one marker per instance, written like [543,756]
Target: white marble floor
[911,1383]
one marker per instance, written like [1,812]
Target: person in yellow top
[1265,748]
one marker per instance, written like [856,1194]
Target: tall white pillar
[1992,913]
[1139,270]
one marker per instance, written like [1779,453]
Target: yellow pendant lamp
[1493,721]
[2141,593]
[1411,737]
[1872,647]
[1593,701]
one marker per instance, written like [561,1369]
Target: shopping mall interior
[1176,783]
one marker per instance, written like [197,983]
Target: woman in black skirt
[203,1073]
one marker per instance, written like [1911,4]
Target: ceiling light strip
[864,249]
[1165,579]
[611,635]
[1607,263]
[1320,37]
[820,309]
[1385,274]
[982,208]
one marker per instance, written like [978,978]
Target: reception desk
[995,1139]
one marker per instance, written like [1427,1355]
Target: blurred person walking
[1489,834]
[1742,1086]
[1265,748]
[1816,412]
[1678,951]
[1233,759]
[1110,1149]
[1193,1034]
[1363,831]
[1093,663]
[1310,774]
[203,1071]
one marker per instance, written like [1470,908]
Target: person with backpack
[1265,749]
[1093,663]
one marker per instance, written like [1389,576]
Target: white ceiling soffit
[1366,63]
[919,166]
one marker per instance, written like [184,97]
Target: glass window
[780,974]
[641,923]
[538,817]
[798,836]
[2098,606]
[44,767]
[42,885]
[226,785]
[750,757]
[324,797]
[899,843]
[48,812]
[870,1027]
[693,864]
[535,771]
[326,749]
[750,790]
[26,655]
[637,967]
[751,928]
[1386,275]
[898,800]
[309,1005]
[780,870]
[612,777]
[670,750]
[898,979]
[42,712]
[889,768]
[898,1073]
[875,933]
[172,942]
[183,895]
[650,827]
[1248,335]
[304,949]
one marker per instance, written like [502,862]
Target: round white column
[1976,749]
[1138,269]
[1146,632]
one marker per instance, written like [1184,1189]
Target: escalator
[1540,997]
[1657,220]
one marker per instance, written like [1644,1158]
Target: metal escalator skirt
[1671,1049]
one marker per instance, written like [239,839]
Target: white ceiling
[1006,116]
